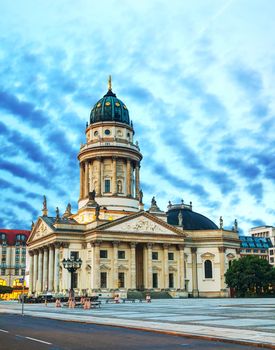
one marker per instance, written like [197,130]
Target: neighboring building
[267,232]
[123,247]
[13,259]
[258,246]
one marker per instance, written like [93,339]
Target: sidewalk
[243,321]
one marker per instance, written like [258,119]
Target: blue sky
[198,80]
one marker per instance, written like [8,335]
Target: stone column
[51,267]
[81,194]
[115,265]
[137,180]
[222,266]
[56,267]
[133,265]
[98,190]
[86,179]
[45,269]
[96,265]
[31,273]
[194,272]
[165,266]
[149,265]
[90,189]
[35,260]
[40,271]
[114,185]
[128,177]
[181,268]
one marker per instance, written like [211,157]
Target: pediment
[40,230]
[230,256]
[145,223]
[207,255]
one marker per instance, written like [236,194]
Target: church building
[123,247]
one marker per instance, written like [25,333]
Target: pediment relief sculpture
[156,268]
[230,256]
[104,267]
[172,268]
[207,255]
[141,224]
[122,267]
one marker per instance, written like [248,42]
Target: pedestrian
[148,298]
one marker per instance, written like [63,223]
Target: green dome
[110,108]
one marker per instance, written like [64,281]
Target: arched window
[208,269]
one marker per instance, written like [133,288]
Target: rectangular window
[248,250]
[3,272]
[107,185]
[74,280]
[171,280]
[74,255]
[155,255]
[121,280]
[23,272]
[103,254]
[272,260]
[170,256]
[16,272]
[121,254]
[155,280]
[103,279]
[255,250]
[271,251]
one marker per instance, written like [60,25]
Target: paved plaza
[242,320]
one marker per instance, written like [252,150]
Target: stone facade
[123,247]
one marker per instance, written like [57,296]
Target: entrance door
[139,267]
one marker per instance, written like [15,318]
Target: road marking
[2,330]
[38,340]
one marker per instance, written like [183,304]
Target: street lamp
[72,265]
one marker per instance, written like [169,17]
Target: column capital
[222,249]
[84,245]
[57,245]
[31,252]
[115,243]
[133,244]
[166,245]
[65,244]
[96,243]
[150,245]
[41,250]
[193,249]
[181,246]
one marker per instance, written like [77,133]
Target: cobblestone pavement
[241,320]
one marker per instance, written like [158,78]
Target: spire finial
[110,83]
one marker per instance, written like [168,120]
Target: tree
[250,275]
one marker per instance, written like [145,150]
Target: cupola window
[107,185]
[107,132]
[96,133]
